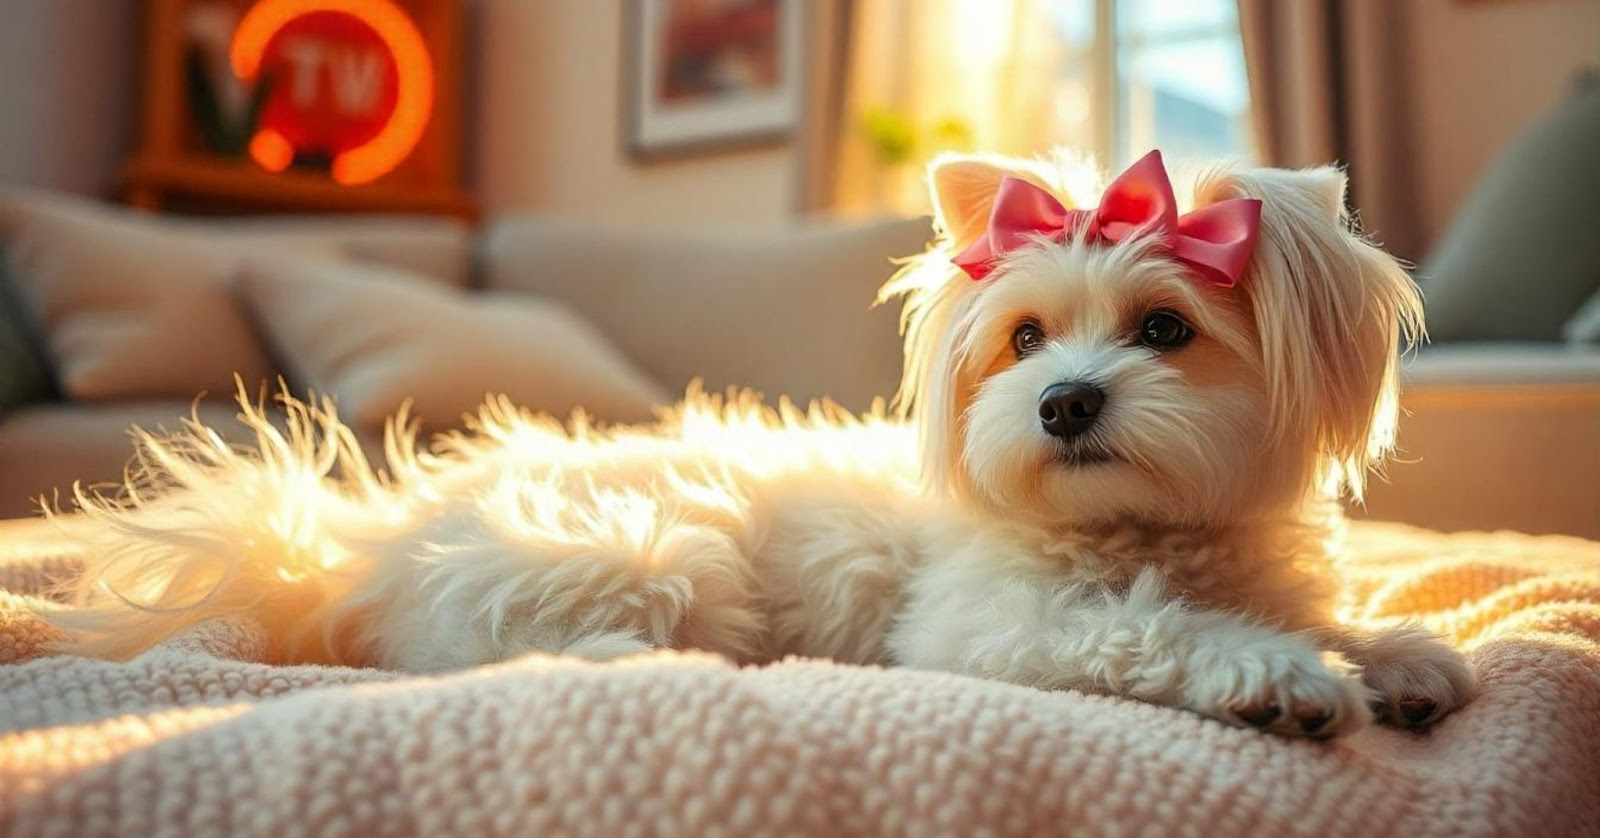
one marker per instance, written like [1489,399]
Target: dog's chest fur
[1280,573]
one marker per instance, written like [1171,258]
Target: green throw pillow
[1523,255]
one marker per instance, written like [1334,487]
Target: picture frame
[706,76]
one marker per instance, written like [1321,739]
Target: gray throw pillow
[1584,327]
[1522,255]
[24,372]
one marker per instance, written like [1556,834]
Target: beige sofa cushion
[130,309]
[787,312]
[374,337]
[435,248]
[137,306]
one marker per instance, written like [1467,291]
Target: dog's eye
[1164,330]
[1027,338]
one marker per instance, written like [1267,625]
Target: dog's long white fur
[1190,571]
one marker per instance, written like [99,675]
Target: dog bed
[198,737]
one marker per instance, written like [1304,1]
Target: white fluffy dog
[1115,472]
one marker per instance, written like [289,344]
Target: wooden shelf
[157,183]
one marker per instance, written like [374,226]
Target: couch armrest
[1497,437]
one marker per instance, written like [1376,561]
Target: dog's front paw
[1415,678]
[1280,684]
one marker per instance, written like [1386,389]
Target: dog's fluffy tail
[204,529]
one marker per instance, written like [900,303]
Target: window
[1145,74]
[1111,78]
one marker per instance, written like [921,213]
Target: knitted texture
[197,738]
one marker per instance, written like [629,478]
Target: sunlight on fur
[1109,468]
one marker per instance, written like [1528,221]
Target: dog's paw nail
[1258,715]
[1418,711]
[1312,719]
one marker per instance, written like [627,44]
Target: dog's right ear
[964,188]
[1333,312]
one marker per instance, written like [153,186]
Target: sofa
[111,320]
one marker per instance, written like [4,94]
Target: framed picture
[708,75]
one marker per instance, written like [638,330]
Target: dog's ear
[964,186]
[937,295]
[1333,313]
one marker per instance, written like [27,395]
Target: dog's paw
[1415,679]
[1280,685]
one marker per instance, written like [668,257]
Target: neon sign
[350,79]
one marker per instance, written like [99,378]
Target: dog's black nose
[1070,408]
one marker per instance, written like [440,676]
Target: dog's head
[1084,380]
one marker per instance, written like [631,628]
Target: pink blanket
[196,738]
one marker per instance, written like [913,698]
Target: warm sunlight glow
[38,758]
[413,104]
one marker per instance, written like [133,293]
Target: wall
[548,127]
[1482,70]
[544,94]
[68,71]
[545,98]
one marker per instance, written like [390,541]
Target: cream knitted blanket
[196,738]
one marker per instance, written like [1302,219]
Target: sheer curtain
[923,77]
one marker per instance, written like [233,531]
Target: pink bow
[1216,240]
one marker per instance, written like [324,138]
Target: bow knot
[1215,241]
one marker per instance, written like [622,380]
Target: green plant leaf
[891,134]
[952,134]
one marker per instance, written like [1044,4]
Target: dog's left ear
[1333,313]
[963,188]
